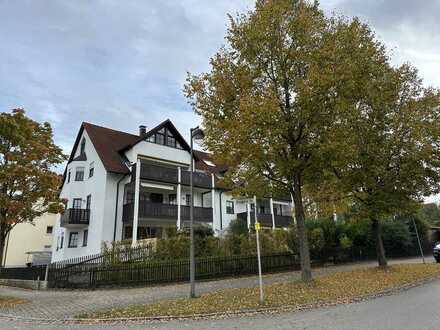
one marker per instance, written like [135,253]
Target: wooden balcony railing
[165,211]
[281,221]
[170,175]
[200,180]
[75,217]
[201,214]
[158,173]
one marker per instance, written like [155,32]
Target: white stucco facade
[107,208]
[27,240]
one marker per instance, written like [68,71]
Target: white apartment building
[133,186]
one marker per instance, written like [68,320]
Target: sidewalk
[62,304]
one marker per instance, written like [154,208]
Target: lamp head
[197,133]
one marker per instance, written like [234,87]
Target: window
[88,202]
[79,174]
[188,200]
[160,138]
[49,229]
[229,207]
[91,169]
[85,237]
[73,240]
[262,210]
[62,240]
[83,146]
[129,198]
[156,198]
[128,232]
[165,137]
[171,140]
[47,246]
[58,243]
[172,199]
[68,175]
[77,203]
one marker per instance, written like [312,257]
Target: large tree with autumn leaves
[28,185]
[287,80]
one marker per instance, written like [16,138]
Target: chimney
[142,130]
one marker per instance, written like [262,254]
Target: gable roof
[165,124]
[110,145]
[107,143]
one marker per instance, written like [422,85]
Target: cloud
[113,63]
[408,28]
[123,63]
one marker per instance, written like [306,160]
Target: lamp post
[195,134]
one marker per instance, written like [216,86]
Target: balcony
[281,221]
[170,175]
[148,210]
[74,218]
[200,180]
[158,173]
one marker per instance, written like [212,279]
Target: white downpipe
[213,202]
[136,202]
[248,215]
[273,215]
[179,198]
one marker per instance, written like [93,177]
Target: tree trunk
[2,249]
[304,253]
[380,250]
[3,237]
[4,230]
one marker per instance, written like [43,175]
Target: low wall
[27,284]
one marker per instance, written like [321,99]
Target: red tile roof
[107,143]
[110,145]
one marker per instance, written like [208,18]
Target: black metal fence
[151,272]
[23,273]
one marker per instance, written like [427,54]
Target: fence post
[46,274]
[93,279]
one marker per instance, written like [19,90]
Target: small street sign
[257,226]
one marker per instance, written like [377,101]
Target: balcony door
[77,203]
[156,198]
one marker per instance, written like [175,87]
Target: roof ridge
[107,128]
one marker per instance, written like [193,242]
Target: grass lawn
[10,301]
[330,288]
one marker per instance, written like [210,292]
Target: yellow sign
[257,226]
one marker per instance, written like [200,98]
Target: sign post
[257,230]
[418,239]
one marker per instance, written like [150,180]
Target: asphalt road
[417,308]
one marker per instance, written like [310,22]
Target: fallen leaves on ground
[10,301]
[331,288]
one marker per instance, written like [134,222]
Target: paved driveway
[61,304]
[414,309]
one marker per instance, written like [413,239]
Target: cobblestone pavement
[62,304]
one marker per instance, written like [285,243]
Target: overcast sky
[123,63]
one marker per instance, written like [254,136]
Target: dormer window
[165,137]
[83,146]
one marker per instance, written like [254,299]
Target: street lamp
[195,134]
